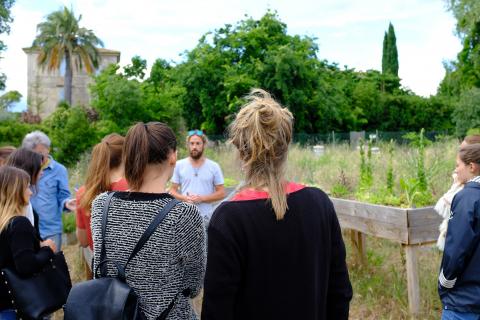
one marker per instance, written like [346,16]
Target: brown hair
[262,131]
[5,152]
[106,156]
[27,160]
[146,143]
[470,153]
[13,182]
[471,139]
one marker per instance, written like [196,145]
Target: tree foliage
[390,53]
[61,38]
[5,20]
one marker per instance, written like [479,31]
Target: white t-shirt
[29,214]
[201,181]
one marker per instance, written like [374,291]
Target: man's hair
[35,138]
[203,137]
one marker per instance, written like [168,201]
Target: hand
[71,204]
[195,198]
[49,243]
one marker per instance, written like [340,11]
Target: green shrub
[69,222]
[12,131]
[70,132]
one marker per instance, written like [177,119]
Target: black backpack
[111,297]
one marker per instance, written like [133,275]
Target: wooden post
[358,242]
[412,279]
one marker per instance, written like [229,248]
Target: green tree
[8,99]
[60,38]
[464,73]
[467,111]
[71,133]
[136,69]
[5,20]
[390,53]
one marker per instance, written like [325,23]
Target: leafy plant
[69,223]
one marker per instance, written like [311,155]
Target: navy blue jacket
[459,279]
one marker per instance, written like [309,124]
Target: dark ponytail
[146,143]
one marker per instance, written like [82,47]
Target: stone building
[46,88]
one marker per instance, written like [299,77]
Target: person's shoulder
[314,193]
[211,162]
[57,165]
[99,201]
[20,222]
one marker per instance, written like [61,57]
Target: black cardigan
[261,268]
[20,250]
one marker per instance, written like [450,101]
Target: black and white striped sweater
[173,258]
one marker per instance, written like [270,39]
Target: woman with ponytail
[275,250]
[169,268]
[105,173]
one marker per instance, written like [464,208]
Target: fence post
[412,279]
[358,242]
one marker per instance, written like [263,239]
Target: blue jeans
[57,238]
[455,315]
[8,314]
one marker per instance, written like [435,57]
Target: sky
[348,32]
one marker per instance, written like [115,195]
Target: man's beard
[196,155]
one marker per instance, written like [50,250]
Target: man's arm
[63,192]
[174,192]
[217,195]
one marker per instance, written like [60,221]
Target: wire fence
[333,137]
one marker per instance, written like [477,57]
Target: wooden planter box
[411,227]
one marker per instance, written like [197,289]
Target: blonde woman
[20,248]
[275,250]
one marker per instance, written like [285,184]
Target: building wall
[46,88]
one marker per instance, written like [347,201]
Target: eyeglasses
[195,132]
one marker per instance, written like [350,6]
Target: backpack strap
[143,239]
[152,227]
[103,269]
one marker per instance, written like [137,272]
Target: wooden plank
[374,228]
[413,284]
[423,234]
[423,216]
[390,215]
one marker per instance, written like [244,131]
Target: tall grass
[380,290]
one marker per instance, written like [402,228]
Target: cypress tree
[390,53]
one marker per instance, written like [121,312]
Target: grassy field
[380,290]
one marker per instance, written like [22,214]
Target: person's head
[29,161]
[196,142]
[106,156]
[14,194]
[261,132]
[471,139]
[146,144]
[468,162]
[5,152]
[38,142]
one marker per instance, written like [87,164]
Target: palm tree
[60,38]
